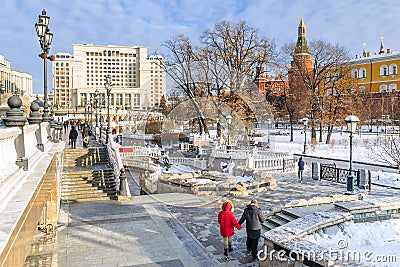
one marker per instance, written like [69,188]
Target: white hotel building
[12,81]
[138,81]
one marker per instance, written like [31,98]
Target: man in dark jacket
[253,217]
[301,168]
[73,135]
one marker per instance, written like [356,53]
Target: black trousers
[252,245]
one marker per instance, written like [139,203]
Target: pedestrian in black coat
[300,164]
[73,135]
[253,217]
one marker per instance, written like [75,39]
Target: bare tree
[237,49]
[326,58]
[182,66]
[387,150]
[339,99]
[223,63]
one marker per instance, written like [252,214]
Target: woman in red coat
[227,221]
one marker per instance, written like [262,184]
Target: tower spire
[301,46]
[381,50]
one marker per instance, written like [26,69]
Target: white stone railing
[116,162]
[139,151]
[18,143]
[138,135]
[8,152]
[232,153]
[144,163]
[30,140]
[280,162]
[194,162]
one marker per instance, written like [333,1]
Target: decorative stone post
[122,183]
[15,118]
[35,118]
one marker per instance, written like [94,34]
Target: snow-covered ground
[362,242]
[338,149]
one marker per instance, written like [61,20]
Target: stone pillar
[15,118]
[315,171]
[363,179]
[122,183]
[35,118]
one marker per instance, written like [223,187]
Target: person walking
[300,165]
[253,217]
[73,135]
[227,221]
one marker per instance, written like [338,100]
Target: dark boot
[230,248]
[225,251]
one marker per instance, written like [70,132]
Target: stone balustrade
[194,162]
[279,162]
[139,151]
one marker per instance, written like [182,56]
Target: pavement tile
[132,233]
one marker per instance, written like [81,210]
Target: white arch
[383,88]
[384,70]
[393,69]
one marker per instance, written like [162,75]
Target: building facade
[12,81]
[377,73]
[138,80]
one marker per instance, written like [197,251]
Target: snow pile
[385,178]
[374,242]
[179,168]
[240,179]
[202,181]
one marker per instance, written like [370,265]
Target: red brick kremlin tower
[301,55]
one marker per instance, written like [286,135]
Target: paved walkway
[165,229]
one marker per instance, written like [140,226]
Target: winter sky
[349,23]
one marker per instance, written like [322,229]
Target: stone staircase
[289,214]
[87,176]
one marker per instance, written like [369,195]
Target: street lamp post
[96,95]
[45,38]
[108,90]
[351,122]
[228,122]
[2,91]
[305,122]
[91,112]
[268,125]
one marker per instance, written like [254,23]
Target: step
[268,226]
[284,217]
[290,212]
[108,183]
[276,221]
[89,179]
[87,185]
[88,174]
[91,198]
[88,192]
[81,194]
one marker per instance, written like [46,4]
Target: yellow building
[377,73]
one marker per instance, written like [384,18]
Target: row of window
[115,99]
[113,60]
[383,88]
[110,53]
[384,70]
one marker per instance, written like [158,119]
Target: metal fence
[332,173]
